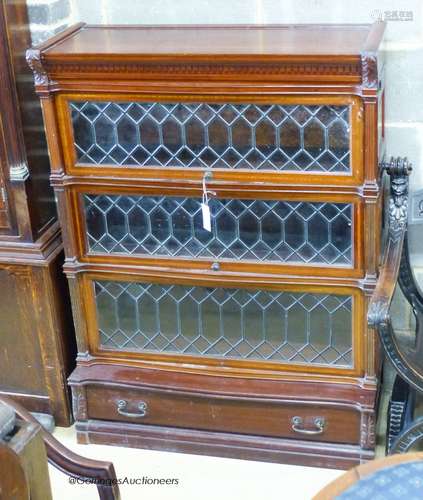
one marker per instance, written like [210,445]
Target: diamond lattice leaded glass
[206,135]
[284,231]
[229,323]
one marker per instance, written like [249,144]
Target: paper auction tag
[205,210]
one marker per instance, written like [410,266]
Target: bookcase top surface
[197,42]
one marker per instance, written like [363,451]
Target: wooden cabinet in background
[36,330]
[241,332]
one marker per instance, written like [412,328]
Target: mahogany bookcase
[220,197]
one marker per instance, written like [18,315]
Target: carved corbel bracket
[34,60]
[79,402]
[399,170]
[369,70]
[367,430]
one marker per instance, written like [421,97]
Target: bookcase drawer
[226,414]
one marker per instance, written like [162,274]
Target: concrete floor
[202,477]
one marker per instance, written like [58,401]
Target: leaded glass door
[313,136]
[236,325]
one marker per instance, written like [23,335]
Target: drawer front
[225,326]
[266,418]
[269,231]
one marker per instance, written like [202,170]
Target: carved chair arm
[71,463]
[381,299]
[408,362]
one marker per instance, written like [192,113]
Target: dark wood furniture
[38,345]
[23,459]
[249,340]
[403,430]
[25,450]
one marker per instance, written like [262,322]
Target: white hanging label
[205,210]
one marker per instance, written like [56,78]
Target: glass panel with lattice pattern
[262,230]
[206,135]
[286,327]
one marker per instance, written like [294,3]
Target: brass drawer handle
[298,426]
[142,407]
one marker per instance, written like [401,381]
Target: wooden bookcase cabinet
[250,340]
[38,342]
